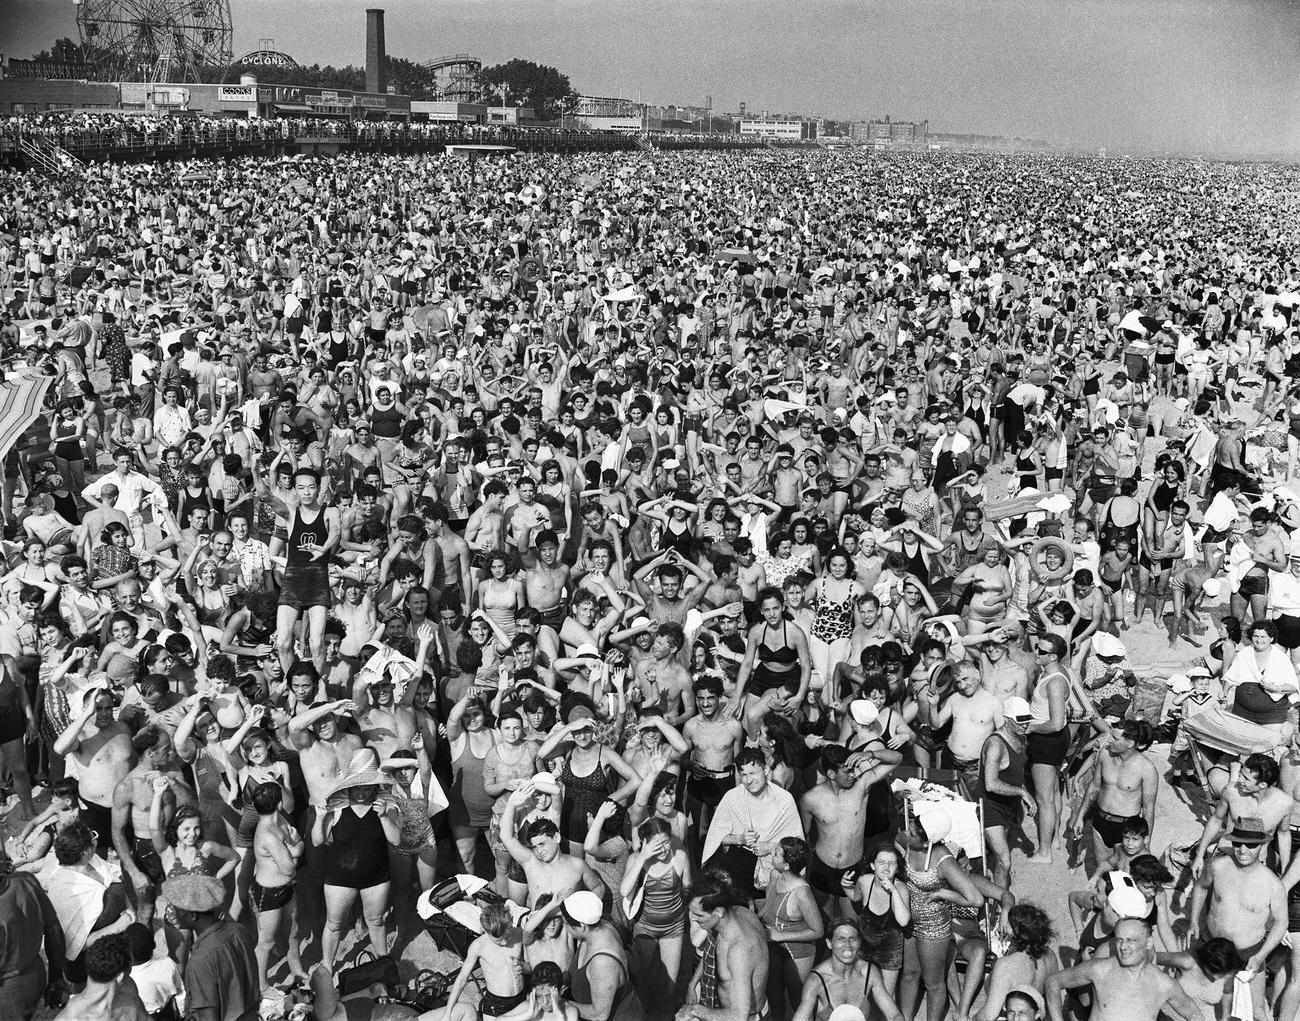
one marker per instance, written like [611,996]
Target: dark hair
[267,798]
[795,852]
[1264,767]
[1217,957]
[541,828]
[71,842]
[751,757]
[716,889]
[148,738]
[1147,868]
[1141,733]
[140,940]
[108,958]
[548,973]
[182,813]
[1031,930]
[709,683]
[664,781]
[1135,826]
[1055,641]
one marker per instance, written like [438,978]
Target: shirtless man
[975,713]
[458,578]
[1268,553]
[385,724]
[546,868]
[670,602]
[546,581]
[277,847]
[751,577]
[715,739]
[132,804]
[1256,796]
[845,978]
[484,531]
[730,983]
[1123,785]
[1126,987]
[324,751]
[103,756]
[662,671]
[1247,903]
[836,811]
[525,520]
[999,673]
[500,951]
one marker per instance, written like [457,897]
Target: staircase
[47,157]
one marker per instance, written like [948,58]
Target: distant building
[605,106]
[790,130]
[890,132]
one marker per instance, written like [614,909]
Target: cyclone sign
[265,58]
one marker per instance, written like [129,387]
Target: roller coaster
[458,78]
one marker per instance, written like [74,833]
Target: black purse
[368,971]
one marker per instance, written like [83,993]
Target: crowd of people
[734,560]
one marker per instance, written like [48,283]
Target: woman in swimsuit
[990,583]
[833,595]
[184,851]
[781,664]
[845,979]
[250,762]
[653,892]
[500,596]
[793,922]
[883,912]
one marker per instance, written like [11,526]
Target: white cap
[1180,684]
[1212,587]
[1016,708]
[1106,644]
[586,651]
[864,713]
[847,1012]
[545,783]
[585,907]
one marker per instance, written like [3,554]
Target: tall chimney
[376,72]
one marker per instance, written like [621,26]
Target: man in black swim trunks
[836,812]
[1123,785]
[1268,553]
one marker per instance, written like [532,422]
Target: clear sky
[1217,77]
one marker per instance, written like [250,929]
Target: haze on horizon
[1207,77]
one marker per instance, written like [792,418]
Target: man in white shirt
[132,487]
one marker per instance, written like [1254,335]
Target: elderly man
[221,973]
[1126,987]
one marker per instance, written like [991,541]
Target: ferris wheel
[155,40]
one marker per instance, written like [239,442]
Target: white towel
[1243,1005]
[965,832]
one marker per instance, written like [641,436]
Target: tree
[64,51]
[543,88]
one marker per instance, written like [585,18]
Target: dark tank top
[302,536]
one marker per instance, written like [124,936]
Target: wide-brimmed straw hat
[363,771]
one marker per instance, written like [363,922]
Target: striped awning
[22,399]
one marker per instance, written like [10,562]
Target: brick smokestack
[376,56]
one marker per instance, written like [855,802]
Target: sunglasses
[1043,652]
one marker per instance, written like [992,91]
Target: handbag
[368,972]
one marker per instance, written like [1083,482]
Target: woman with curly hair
[1029,959]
